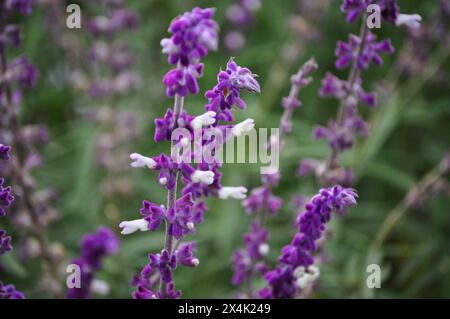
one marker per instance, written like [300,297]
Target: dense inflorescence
[249,262]
[295,265]
[94,248]
[194,34]
[358,54]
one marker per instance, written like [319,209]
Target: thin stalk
[171,194]
[352,77]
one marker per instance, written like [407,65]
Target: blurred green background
[410,135]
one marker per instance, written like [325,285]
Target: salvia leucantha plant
[189,176]
[193,35]
[31,212]
[296,269]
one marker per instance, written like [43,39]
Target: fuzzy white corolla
[204,177]
[243,127]
[100,287]
[263,249]
[168,47]
[238,192]
[131,226]
[305,278]
[410,20]
[205,119]
[142,161]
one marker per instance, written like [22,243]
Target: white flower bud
[190,225]
[205,119]
[195,262]
[410,20]
[314,272]
[243,127]
[233,192]
[204,177]
[129,227]
[100,287]
[168,46]
[264,249]
[163,180]
[142,161]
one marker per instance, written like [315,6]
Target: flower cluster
[249,262]
[241,14]
[295,265]
[6,198]
[94,248]
[193,34]
[358,54]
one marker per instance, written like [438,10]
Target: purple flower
[180,217]
[165,126]
[94,248]
[116,21]
[299,253]
[153,214]
[11,36]
[10,292]
[348,52]
[4,152]
[282,284]
[164,263]
[185,255]
[226,93]
[353,9]
[167,170]
[260,199]
[6,197]
[193,34]
[255,241]
[182,81]
[332,86]
[5,242]
[22,6]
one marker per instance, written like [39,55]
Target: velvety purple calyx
[6,197]
[194,33]
[180,217]
[94,248]
[22,6]
[5,242]
[341,138]
[185,255]
[311,225]
[332,86]
[4,152]
[167,169]
[10,292]
[165,126]
[226,93]
[260,199]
